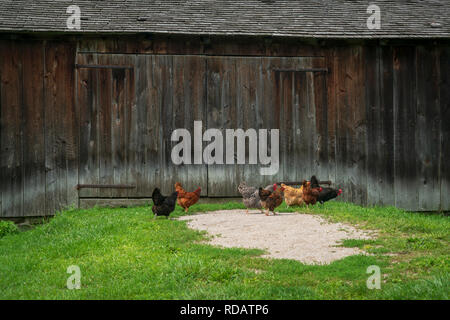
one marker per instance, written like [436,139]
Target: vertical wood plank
[195,109]
[131,123]
[33,130]
[343,134]
[250,115]
[273,108]
[445,127]
[155,168]
[304,145]
[332,112]
[119,130]
[428,127]
[379,99]
[387,127]
[223,108]
[87,89]
[140,127]
[321,113]
[405,119]
[189,105]
[178,74]
[165,102]
[359,128]
[61,135]
[11,129]
[71,123]
[311,112]
[268,95]
[351,146]
[286,136]
[103,89]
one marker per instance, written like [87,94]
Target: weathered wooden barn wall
[101,111]
[39,127]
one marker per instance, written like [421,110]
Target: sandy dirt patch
[304,237]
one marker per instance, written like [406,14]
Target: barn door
[301,98]
[171,88]
[129,106]
[105,98]
[268,93]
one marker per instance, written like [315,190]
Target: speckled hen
[250,195]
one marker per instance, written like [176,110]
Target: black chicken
[163,206]
[327,194]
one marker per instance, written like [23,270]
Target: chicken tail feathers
[157,197]
[198,191]
[314,182]
[264,194]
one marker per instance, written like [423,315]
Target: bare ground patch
[304,237]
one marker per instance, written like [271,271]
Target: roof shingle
[306,18]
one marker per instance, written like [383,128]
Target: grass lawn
[126,254]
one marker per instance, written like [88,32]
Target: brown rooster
[187,199]
[310,195]
[270,200]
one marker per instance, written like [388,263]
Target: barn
[87,112]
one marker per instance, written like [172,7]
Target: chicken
[270,200]
[163,206]
[327,194]
[292,196]
[187,199]
[250,195]
[310,195]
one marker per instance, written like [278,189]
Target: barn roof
[306,18]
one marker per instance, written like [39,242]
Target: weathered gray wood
[406,183]
[105,124]
[344,164]
[164,64]
[71,121]
[139,137]
[32,55]
[249,116]
[332,112]
[119,115]
[351,133]
[223,104]
[131,115]
[359,127]
[268,100]
[195,109]
[11,126]
[61,132]
[87,100]
[378,91]
[387,164]
[189,105]
[302,156]
[321,114]
[428,127]
[445,127]
[155,170]
[382,129]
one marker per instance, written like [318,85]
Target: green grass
[126,254]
